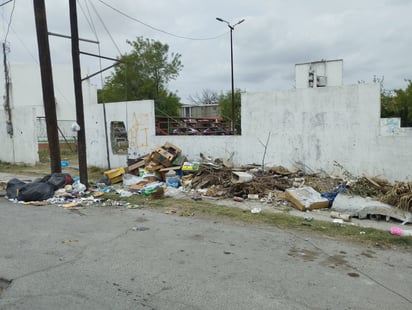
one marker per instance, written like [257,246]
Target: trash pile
[166,172]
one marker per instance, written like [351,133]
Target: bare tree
[207,96]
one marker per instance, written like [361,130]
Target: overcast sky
[371,36]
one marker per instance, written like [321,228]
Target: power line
[36,60]
[107,30]
[93,28]
[158,29]
[88,18]
[11,17]
[5,2]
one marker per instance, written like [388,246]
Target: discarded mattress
[363,207]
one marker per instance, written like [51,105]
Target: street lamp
[231,27]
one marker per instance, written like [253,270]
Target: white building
[324,73]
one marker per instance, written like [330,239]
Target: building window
[187,111]
[118,137]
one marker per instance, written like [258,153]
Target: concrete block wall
[312,129]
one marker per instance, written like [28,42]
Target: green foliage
[225,108]
[398,103]
[144,74]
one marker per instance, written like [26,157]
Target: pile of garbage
[166,172]
[212,177]
[43,188]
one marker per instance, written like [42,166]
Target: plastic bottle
[172,179]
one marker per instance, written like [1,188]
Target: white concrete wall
[138,117]
[26,102]
[20,148]
[310,128]
[392,127]
[27,89]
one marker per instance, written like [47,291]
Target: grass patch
[67,152]
[42,169]
[280,220]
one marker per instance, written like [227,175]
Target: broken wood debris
[220,178]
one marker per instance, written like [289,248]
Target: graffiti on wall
[138,131]
[392,127]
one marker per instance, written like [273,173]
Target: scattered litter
[241,177]
[37,203]
[362,233]
[140,228]
[400,232]
[170,211]
[192,167]
[70,241]
[79,187]
[298,182]
[158,193]
[338,215]
[306,198]
[330,196]
[115,175]
[69,205]
[173,192]
[130,179]
[125,194]
[166,172]
[98,194]
[187,213]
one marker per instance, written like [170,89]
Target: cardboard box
[306,198]
[115,175]
[179,160]
[162,157]
[171,149]
[192,167]
[165,155]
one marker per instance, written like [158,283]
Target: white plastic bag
[130,179]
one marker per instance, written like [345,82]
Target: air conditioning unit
[321,81]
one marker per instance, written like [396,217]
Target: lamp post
[231,27]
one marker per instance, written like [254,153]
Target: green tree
[398,103]
[225,108]
[388,108]
[144,74]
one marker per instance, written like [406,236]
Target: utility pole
[232,27]
[77,79]
[47,85]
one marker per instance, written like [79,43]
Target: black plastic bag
[13,187]
[35,192]
[57,180]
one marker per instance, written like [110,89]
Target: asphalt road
[117,258]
